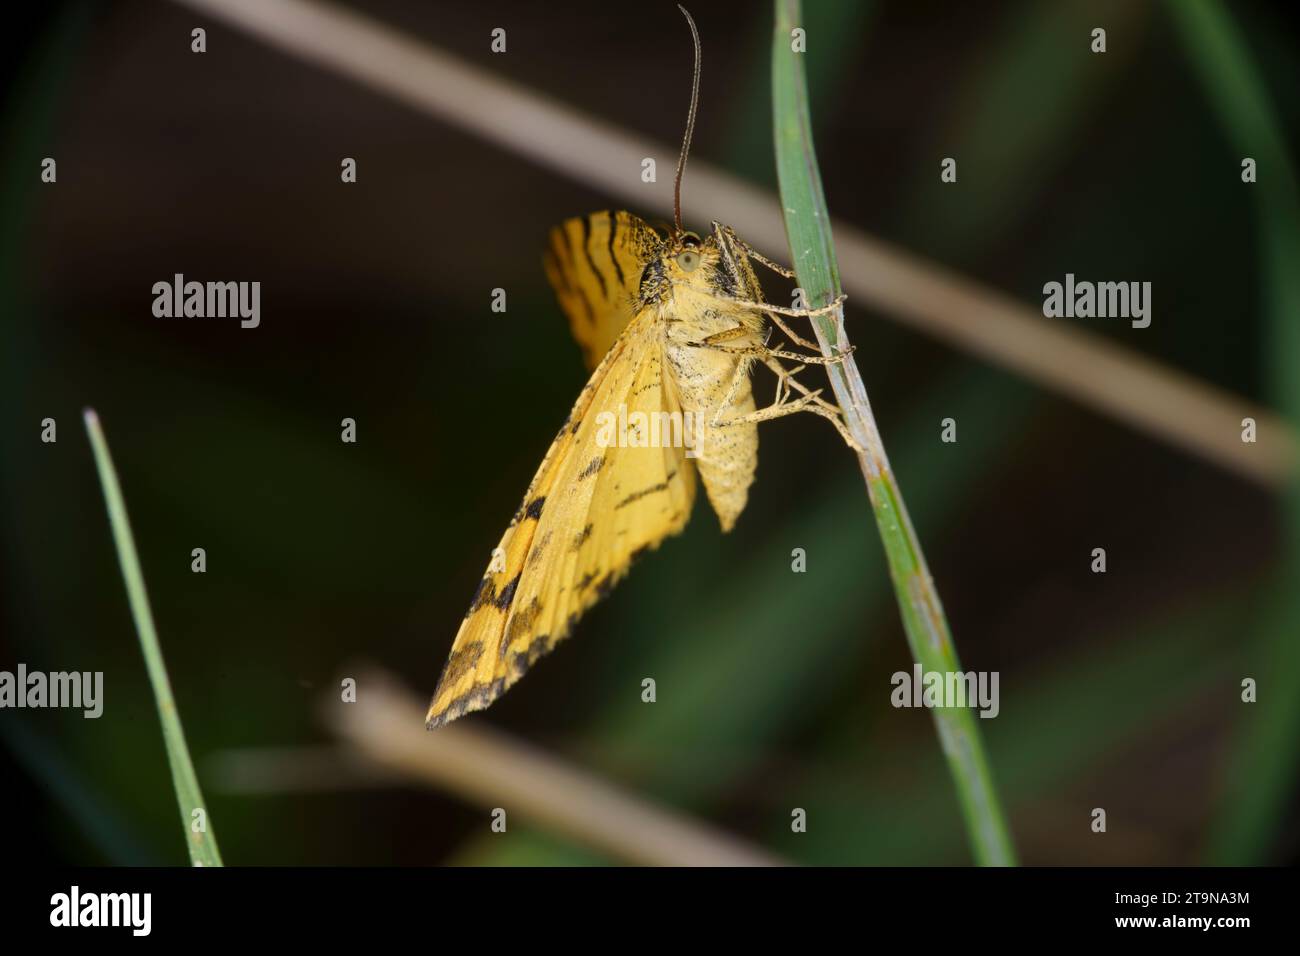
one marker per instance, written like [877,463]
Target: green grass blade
[202,842]
[808,230]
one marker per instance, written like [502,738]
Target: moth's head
[688,257]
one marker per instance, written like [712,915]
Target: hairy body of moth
[711,380]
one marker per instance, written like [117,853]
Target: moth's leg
[715,341]
[727,335]
[786,377]
[789,332]
[738,378]
[783,377]
[783,310]
[783,380]
[759,257]
[762,351]
[753,253]
[774,312]
[775,410]
[726,236]
[809,401]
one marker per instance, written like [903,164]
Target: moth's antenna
[690,123]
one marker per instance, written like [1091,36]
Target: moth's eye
[688,260]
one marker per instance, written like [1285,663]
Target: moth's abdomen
[726,455]
[728,459]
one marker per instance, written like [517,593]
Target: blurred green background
[1118,691]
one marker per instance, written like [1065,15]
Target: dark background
[1118,691]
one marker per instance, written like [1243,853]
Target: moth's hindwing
[594,264]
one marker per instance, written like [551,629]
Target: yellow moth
[670,326]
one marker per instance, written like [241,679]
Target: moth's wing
[595,263]
[592,507]
[621,502]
